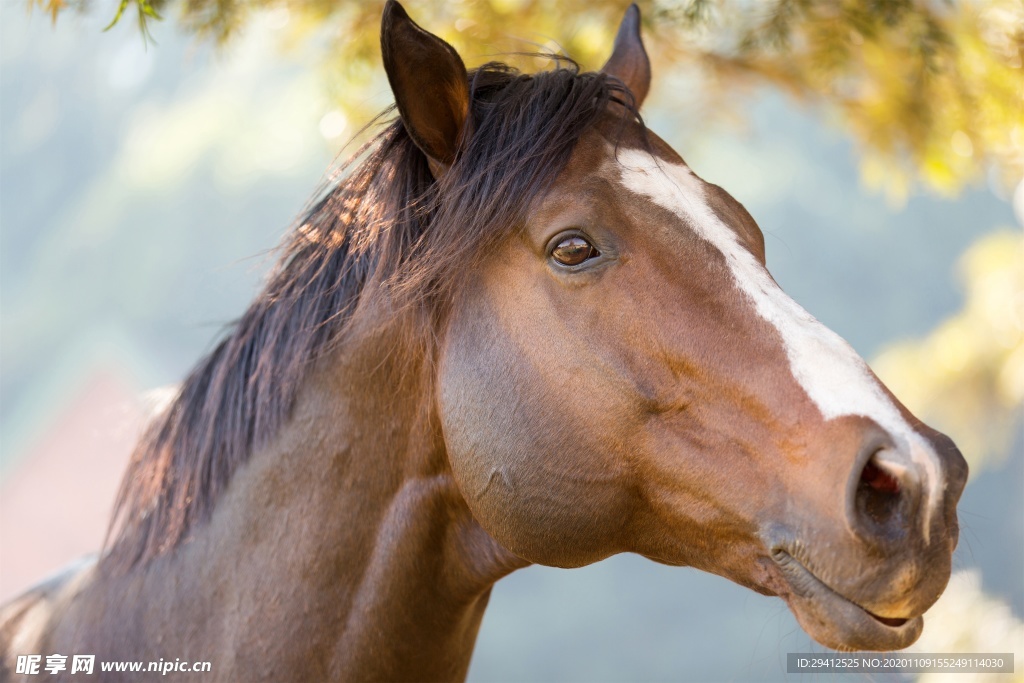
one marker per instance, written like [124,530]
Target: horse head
[621,373]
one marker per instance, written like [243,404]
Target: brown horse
[521,330]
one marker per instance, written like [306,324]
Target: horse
[519,329]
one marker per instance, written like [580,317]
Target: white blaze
[836,379]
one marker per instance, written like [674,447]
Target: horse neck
[361,528]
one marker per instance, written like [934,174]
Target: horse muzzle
[860,575]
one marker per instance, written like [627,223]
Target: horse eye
[574,250]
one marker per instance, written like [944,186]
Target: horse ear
[629,62]
[430,85]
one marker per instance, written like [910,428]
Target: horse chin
[836,622]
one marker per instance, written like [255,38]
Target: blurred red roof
[55,502]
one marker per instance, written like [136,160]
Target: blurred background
[147,175]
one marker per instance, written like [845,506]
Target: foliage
[145,9]
[931,89]
[968,374]
[937,87]
[966,619]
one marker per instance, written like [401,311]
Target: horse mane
[387,221]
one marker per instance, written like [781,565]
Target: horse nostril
[878,479]
[878,497]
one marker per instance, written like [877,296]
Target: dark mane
[387,222]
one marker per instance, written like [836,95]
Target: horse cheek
[515,462]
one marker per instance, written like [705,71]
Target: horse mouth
[836,621]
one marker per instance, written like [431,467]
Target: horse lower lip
[895,623]
[851,626]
